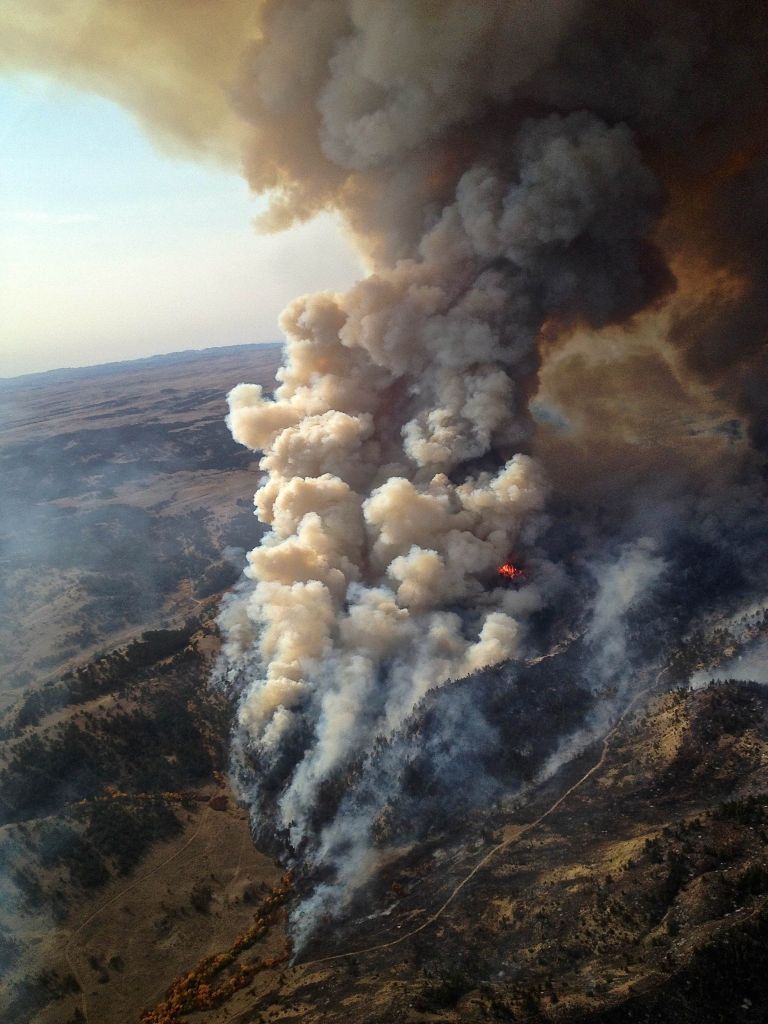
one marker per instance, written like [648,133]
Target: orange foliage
[196,991]
[113,793]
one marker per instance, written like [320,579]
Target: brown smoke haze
[559,352]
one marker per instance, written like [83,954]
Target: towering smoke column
[378,580]
[395,447]
[557,202]
[500,197]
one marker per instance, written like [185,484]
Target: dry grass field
[122,488]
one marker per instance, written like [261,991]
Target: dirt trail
[505,844]
[117,896]
[486,858]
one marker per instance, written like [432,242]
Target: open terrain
[124,505]
[122,491]
[634,879]
[629,884]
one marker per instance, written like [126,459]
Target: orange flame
[510,571]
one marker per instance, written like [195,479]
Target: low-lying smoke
[558,355]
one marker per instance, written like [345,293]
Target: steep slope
[645,890]
[634,879]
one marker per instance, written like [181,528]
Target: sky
[112,250]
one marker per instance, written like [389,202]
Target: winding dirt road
[505,844]
[485,859]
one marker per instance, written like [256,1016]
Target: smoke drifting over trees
[559,352]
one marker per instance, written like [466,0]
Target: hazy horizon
[78,367]
[113,250]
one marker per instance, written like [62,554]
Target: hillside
[643,896]
[644,890]
[122,495]
[624,878]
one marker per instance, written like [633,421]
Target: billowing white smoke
[396,479]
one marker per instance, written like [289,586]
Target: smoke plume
[558,355]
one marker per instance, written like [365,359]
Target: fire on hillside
[510,571]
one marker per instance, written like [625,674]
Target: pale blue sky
[111,250]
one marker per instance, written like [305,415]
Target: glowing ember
[510,571]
